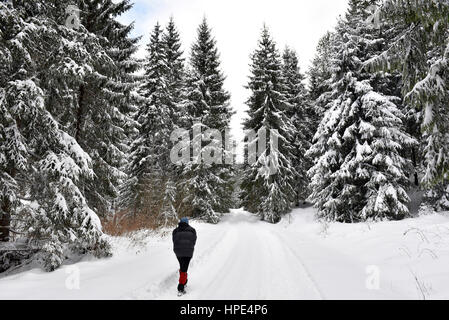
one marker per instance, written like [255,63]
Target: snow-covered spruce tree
[421,54]
[150,151]
[269,193]
[41,164]
[105,99]
[206,189]
[359,172]
[175,89]
[320,75]
[176,72]
[302,116]
[152,176]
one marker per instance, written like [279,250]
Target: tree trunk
[414,166]
[79,115]
[5,220]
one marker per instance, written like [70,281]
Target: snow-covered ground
[244,258]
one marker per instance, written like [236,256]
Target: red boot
[182,281]
[182,277]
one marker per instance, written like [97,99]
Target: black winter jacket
[184,240]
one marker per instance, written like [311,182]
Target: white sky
[236,25]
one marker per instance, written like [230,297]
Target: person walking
[184,240]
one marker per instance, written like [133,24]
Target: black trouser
[184,263]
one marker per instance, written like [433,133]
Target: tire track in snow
[252,263]
[335,269]
[217,271]
[300,260]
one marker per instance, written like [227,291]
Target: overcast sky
[236,25]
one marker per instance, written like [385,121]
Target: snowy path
[249,261]
[245,258]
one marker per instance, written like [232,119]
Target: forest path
[245,258]
[249,262]
[239,258]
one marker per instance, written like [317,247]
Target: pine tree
[176,72]
[266,192]
[175,78]
[359,172]
[302,116]
[320,74]
[106,99]
[42,166]
[420,52]
[149,154]
[206,186]
[151,186]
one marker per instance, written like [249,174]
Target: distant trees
[149,159]
[303,118]
[320,73]
[268,186]
[175,97]
[362,140]
[207,188]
